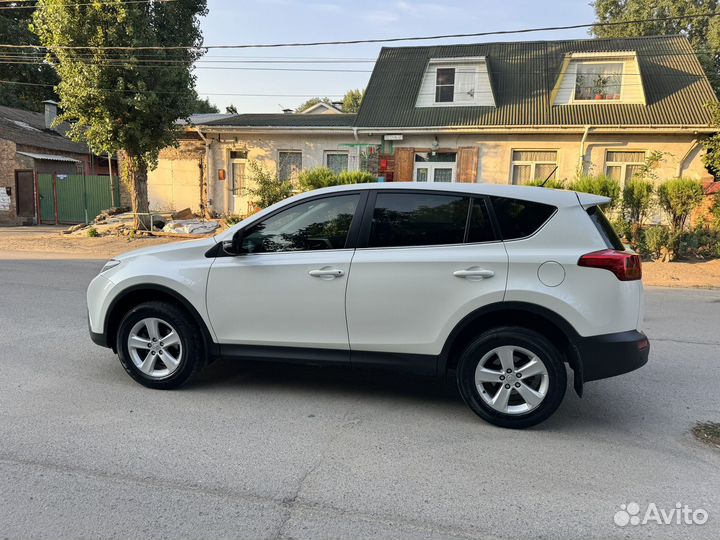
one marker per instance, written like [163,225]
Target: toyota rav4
[500,286]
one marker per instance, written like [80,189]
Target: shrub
[636,199]
[356,177]
[656,238]
[715,212]
[553,183]
[678,198]
[599,185]
[232,219]
[317,178]
[321,177]
[268,188]
[92,232]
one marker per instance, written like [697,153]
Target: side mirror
[234,246]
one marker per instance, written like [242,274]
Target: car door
[425,259]
[287,287]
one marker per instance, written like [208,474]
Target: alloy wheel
[155,347]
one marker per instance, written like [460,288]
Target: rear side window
[418,219]
[518,219]
[609,236]
[479,227]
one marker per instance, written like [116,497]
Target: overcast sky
[275,21]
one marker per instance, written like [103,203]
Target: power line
[376,40]
[171,92]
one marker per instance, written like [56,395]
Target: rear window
[609,236]
[518,219]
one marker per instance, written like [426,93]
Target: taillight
[626,266]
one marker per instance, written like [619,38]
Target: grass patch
[707,432]
[92,232]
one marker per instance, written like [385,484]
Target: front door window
[435,166]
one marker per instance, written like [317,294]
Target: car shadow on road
[593,412]
[328,379]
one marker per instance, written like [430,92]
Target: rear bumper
[612,354]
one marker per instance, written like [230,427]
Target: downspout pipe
[686,155]
[581,160]
[205,201]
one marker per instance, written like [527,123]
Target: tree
[352,101]
[203,106]
[267,187]
[702,32]
[231,109]
[116,99]
[21,65]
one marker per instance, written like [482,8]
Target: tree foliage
[352,101]
[598,185]
[679,197]
[14,30]
[114,99]
[702,32]
[267,187]
[312,101]
[203,106]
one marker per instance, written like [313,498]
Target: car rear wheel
[159,345]
[512,377]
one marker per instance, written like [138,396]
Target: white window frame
[532,164]
[432,165]
[327,153]
[437,85]
[623,164]
[289,151]
[578,62]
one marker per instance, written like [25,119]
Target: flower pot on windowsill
[599,96]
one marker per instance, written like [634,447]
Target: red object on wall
[383,164]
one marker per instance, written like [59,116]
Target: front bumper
[612,354]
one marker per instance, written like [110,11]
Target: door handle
[474,273]
[327,272]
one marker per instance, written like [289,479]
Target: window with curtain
[529,165]
[623,165]
[337,162]
[598,81]
[289,165]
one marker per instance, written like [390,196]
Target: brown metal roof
[27,128]
[523,75]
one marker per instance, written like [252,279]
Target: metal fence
[75,198]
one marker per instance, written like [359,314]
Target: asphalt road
[277,452]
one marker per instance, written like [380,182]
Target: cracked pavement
[270,451]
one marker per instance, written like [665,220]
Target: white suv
[502,285]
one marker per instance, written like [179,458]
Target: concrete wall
[264,149]
[175,183]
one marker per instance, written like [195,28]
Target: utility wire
[376,40]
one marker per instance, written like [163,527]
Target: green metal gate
[76,198]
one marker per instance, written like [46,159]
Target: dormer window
[598,80]
[456,82]
[445,85]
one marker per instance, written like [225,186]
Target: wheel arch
[138,294]
[522,314]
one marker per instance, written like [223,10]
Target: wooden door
[25,193]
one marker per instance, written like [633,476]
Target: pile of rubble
[119,222]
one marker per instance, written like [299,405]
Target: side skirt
[420,364]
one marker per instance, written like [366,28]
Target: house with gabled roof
[33,143]
[510,112]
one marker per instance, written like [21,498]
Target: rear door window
[609,236]
[518,218]
[418,219]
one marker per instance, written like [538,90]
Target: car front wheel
[512,377]
[160,345]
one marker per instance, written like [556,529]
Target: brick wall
[7,180]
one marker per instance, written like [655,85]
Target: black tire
[526,339]
[192,354]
